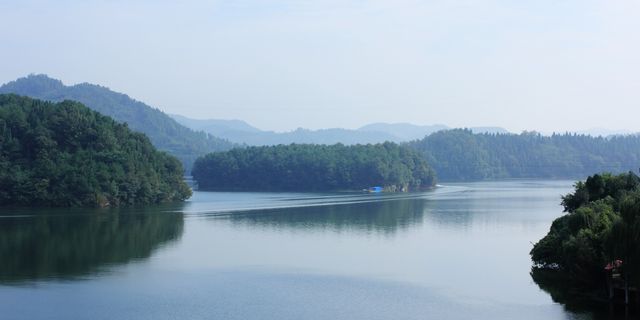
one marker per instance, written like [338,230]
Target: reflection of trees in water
[580,300]
[57,245]
[450,213]
[380,216]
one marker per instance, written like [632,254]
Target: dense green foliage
[462,155]
[165,133]
[302,167]
[602,225]
[67,155]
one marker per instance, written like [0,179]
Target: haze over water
[457,252]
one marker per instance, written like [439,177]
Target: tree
[67,155]
[299,167]
[602,224]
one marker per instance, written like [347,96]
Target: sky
[561,65]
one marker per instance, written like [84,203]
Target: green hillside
[164,132]
[65,154]
[461,155]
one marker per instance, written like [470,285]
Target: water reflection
[458,252]
[455,207]
[581,301]
[378,216]
[71,243]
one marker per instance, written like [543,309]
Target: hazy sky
[545,65]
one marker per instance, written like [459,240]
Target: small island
[306,167]
[65,155]
[596,245]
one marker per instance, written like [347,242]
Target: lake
[460,251]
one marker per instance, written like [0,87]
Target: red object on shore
[613,265]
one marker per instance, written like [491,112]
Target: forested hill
[165,133]
[462,155]
[304,167]
[68,155]
[601,227]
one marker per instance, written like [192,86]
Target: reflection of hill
[70,245]
[381,216]
[580,300]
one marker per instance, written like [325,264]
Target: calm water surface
[457,252]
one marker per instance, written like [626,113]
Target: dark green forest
[304,167]
[602,225]
[461,155]
[165,133]
[65,154]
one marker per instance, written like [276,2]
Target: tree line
[305,167]
[461,155]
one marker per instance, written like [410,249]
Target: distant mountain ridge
[215,125]
[239,131]
[164,132]
[403,131]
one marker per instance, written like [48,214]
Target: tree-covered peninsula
[599,237]
[65,154]
[305,167]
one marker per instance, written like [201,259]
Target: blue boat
[375,189]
